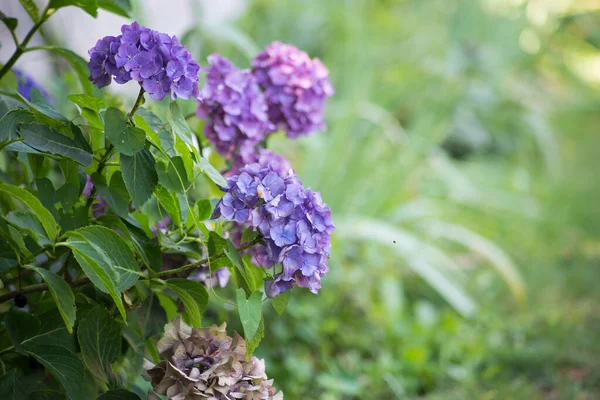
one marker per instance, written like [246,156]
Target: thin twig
[39,287]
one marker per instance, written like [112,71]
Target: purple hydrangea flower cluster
[262,156]
[295,87]
[294,222]
[156,60]
[25,83]
[234,105]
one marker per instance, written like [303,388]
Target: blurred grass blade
[417,257]
[494,254]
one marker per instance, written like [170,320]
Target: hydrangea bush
[114,222]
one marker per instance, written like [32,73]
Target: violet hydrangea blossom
[156,60]
[294,222]
[235,107]
[295,87]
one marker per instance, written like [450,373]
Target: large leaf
[178,124]
[280,302]
[66,367]
[46,139]
[210,171]
[126,138]
[62,294]
[139,175]
[110,251]
[250,310]
[45,217]
[99,337]
[170,203]
[31,8]
[41,104]
[28,222]
[253,343]
[87,101]
[21,326]
[119,394]
[193,295]
[11,388]
[10,122]
[119,7]
[173,175]
[89,6]
[115,194]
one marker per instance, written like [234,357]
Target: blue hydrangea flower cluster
[234,106]
[156,60]
[295,87]
[25,83]
[294,222]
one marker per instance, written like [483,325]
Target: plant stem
[138,102]
[40,287]
[21,47]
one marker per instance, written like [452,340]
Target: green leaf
[99,337]
[11,23]
[26,221]
[46,139]
[139,175]
[62,294]
[119,394]
[100,278]
[173,175]
[126,138]
[250,312]
[11,121]
[87,101]
[211,172]
[193,295]
[109,250]
[11,387]
[116,195]
[252,344]
[45,217]
[170,203]
[217,245]
[179,124]
[21,326]
[40,103]
[119,7]
[68,194]
[31,8]
[280,302]
[243,279]
[89,6]
[203,209]
[66,367]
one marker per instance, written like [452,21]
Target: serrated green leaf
[66,367]
[139,175]
[119,394]
[99,337]
[46,139]
[280,302]
[193,295]
[110,251]
[31,8]
[179,124]
[11,388]
[126,138]
[41,104]
[21,326]
[250,310]
[44,216]
[203,208]
[68,194]
[62,294]
[211,172]
[89,6]
[115,194]
[28,222]
[173,175]
[87,101]
[170,202]
[252,344]
[10,122]
[119,7]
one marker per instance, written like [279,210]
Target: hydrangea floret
[156,60]
[206,363]
[294,222]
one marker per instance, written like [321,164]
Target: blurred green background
[460,163]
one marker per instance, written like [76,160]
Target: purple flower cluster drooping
[156,60]
[294,222]
[234,105]
[295,87]
[25,83]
